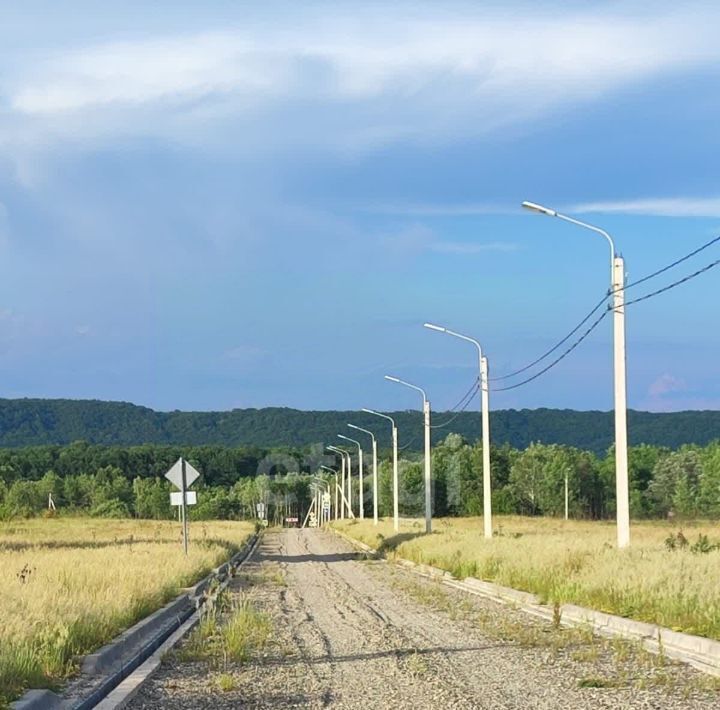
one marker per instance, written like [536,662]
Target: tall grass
[574,562]
[70,585]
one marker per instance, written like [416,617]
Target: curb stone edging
[155,629]
[130,686]
[697,651]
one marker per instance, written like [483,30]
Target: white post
[349,484]
[428,472]
[485,404]
[184,507]
[621,456]
[375,483]
[566,494]
[362,492]
[396,514]
[342,485]
[336,496]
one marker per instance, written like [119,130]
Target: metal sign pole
[183,490]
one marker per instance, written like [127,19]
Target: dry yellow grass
[573,562]
[70,585]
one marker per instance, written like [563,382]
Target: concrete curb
[112,659]
[129,687]
[697,651]
[112,653]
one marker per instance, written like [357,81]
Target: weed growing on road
[226,682]
[416,665]
[233,637]
[247,631]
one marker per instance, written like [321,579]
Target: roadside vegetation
[71,585]
[668,577]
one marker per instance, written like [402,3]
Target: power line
[652,294]
[558,359]
[599,304]
[674,284]
[447,422]
[675,263]
[604,299]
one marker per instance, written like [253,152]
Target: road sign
[291,520]
[174,475]
[260,510]
[190,498]
[182,475]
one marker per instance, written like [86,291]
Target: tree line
[35,422]
[114,481]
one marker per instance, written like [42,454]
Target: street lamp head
[432,326]
[391,378]
[534,207]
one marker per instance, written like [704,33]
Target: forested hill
[26,422]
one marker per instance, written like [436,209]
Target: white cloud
[666,384]
[438,210]
[470,247]
[656,206]
[434,73]
[418,238]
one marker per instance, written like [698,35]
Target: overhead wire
[557,360]
[604,300]
[599,304]
[609,308]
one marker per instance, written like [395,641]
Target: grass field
[70,585]
[575,562]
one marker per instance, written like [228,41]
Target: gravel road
[354,633]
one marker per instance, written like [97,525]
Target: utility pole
[617,291]
[396,517]
[484,422]
[428,472]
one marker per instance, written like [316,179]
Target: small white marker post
[182,475]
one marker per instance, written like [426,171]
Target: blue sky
[216,205]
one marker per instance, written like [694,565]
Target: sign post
[182,475]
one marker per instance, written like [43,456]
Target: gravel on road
[354,633]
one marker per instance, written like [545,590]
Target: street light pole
[428,471]
[617,289]
[375,483]
[344,453]
[361,491]
[342,478]
[396,516]
[335,473]
[485,417]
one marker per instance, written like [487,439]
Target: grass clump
[226,682]
[236,637]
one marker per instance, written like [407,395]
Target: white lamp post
[485,416]
[375,488]
[344,453]
[361,491]
[396,517]
[335,473]
[342,478]
[428,473]
[617,289]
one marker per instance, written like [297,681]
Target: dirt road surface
[355,633]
